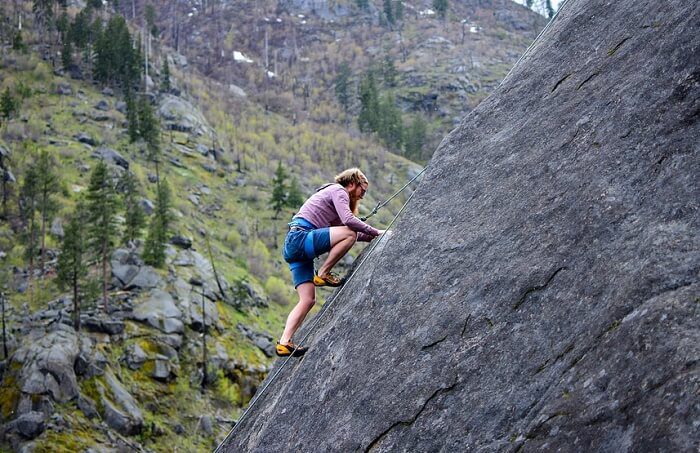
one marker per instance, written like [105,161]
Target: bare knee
[351,235]
[307,302]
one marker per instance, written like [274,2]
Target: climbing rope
[385,202]
[318,318]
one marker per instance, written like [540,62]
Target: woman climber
[326,222]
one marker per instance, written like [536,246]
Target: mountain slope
[541,291]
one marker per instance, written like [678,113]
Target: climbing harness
[271,379]
[385,202]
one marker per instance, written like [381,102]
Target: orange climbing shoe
[285,350]
[328,280]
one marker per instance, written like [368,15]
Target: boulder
[111,156]
[540,290]
[181,241]
[263,341]
[103,325]
[146,278]
[178,114]
[85,138]
[88,407]
[64,89]
[160,311]
[102,105]
[47,364]
[30,425]
[135,356]
[121,411]
[147,205]
[57,227]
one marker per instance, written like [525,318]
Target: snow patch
[427,12]
[238,56]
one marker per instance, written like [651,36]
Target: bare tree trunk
[104,274]
[76,304]
[4,333]
[205,376]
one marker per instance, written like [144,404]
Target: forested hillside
[147,186]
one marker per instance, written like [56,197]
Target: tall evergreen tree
[389,12]
[279,190]
[165,85]
[102,205]
[47,185]
[550,9]
[368,119]
[342,86]
[294,198]
[398,10]
[154,247]
[28,203]
[390,123]
[8,105]
[134,217]
[67,54]
[71,261]
[132,117]
[415,138]
[116,57]
[389,71]
[151,20]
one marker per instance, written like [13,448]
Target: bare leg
[307,299]
[342,240]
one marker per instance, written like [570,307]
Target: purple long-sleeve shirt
[330,206]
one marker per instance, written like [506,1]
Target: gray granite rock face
[540,292]
[160,311]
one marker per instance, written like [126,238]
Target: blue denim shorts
[303,243]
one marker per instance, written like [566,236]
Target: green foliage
[154,247]
[398,10]
[342,86]
[102,205]
[294,197]
[550,8]
[279,189]
[362,4]
[134,217]
[149,128]
[117,60]
[43,12]
[48,186]
[368,119]
[389,13]
[71,263]
[151,20]
[440,6]
[165,85]
[389,71]
[415,138]
[8,104]
[390,126]
[18,42]
[67,54]
[28,208]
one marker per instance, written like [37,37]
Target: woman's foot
[287,349]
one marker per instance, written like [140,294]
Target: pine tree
[132,117]
[134,217]
[390,123]
[71,261]
[28,202]
[368,119]
[102,205]
[165,85]
[415,138]
[294,198]
[389,71]
[398,10]
[342,84]
[389,13]
[151,20]
[8,105]
[440,7]
[279,190]
[362,4]
[67,54]
[47,187]
[149,131]
[154,247]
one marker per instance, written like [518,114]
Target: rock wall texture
[541,291]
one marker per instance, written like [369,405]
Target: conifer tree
[389,13]
[154,247]
[71,262]
[102,204]
[390,123]
[368,119]
[342,85]
[398,10]
[8,105]
[66,54]
[165,85]
[134,217]
[149,131]
[47,187]
[550,9]
[279,190]
[294,198]
[389,71]
[28,204]
[132,117]
[415,138]
[151,20]
[362,4]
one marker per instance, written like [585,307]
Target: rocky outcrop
[178,114]
[160,311]
[540,292]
